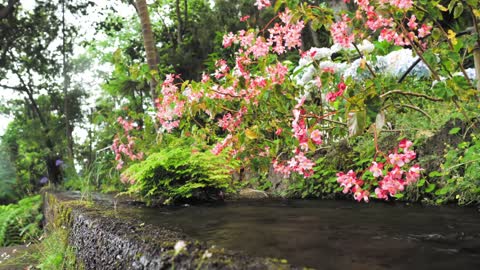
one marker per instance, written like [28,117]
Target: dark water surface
[335,234]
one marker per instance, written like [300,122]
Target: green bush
[20,222]
[180,172]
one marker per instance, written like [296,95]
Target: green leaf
[454,130]
[430,188]
[442,191]
[399,195]
[421,183]
[436,33]
[451,5]
[435,174]
[457,12]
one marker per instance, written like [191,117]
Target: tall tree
[32,62]
[149,43]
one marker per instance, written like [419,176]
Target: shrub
[180,172]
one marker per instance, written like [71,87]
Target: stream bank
[105,238]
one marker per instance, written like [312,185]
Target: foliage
[44,111]
[180,171]
[458,178]
[20,222]
[54,252]
[268,106]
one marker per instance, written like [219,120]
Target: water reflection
[335,234]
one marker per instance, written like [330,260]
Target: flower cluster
[228,141]
[229,122]
[261,4]
[299,164]
[332,96]
[169,106]
[371,14]
[395,176]
[341,32]
[351,183]
[127,149]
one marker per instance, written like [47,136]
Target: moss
[106,239]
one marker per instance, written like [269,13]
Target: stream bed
[333,234]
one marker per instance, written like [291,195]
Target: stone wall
[105,241]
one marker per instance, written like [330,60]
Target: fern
[20,222]
[180,171]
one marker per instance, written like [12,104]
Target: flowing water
[335,234]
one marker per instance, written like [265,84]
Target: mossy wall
[104,240]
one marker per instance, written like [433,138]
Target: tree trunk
[6,11]
[185,15]
[66,79]
[314,35]
[180,24]
[476,57]
[149,43]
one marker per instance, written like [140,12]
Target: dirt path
[16,257]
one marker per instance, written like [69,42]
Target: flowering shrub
[125,149]
[258,106]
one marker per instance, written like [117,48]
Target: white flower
[207,254]
[366,46]
[319,53]
[179,246]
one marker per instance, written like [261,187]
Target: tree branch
[410,94]
[417,109]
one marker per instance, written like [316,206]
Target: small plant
[54,253]
[180,171]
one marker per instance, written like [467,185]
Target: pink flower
[260,48]
[262,4]
[221,145]
[340,32]
[402,4]
[305,165]
[316,136]
[413,174]
[411,23]
[396,159]
[348,180]
[229,39]
[396,173]
[424,30]
[278,131]
[331,97]
[360,195]
[405,144]
[376,169]
[408,156]
[244,18]
[381,193]
[277,73]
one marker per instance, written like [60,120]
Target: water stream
[334,234]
